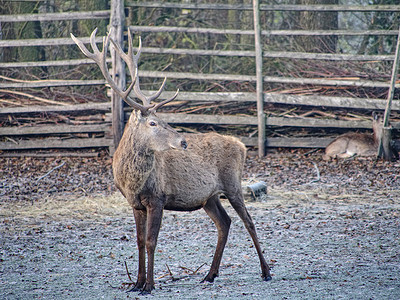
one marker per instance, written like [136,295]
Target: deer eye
[152,123]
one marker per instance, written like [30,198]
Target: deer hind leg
[222,221]
[140,219]
[237,202]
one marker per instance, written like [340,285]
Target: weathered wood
[309,100]
[259,78]
[282,142]
[384,148]
[264,7]
[275,79]
[49,154]
[117,21]
[200,76]
[56,144]
[387,150]
[208,119]
[359,103]
[266,54]
[314,100]
[48,63]
[68,41]
[48,83]
[104,107]
[263,32]
[44,42]
[64,16]
[54,129]
[303,142]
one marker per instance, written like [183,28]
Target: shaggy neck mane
[135,165]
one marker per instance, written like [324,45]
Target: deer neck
[377,127]
[134,160]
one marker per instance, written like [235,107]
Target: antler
[131,61]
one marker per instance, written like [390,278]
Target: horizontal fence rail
[64,136]
[264,7]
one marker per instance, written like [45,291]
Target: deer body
[352,143]
[157,168]
[187,178]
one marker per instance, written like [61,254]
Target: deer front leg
[154,217]
[140,219]
[222,221]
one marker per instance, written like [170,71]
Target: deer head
[143,121]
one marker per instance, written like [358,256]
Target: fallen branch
[32,97]
[318,174]
[49,172]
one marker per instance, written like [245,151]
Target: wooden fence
[99,134]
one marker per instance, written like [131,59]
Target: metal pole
[259,76]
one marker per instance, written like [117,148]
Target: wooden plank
[104,107]
[48,83]
[263,7]
[44,42]
[315,100]
[302,142]
[64,16]
[289,142]
[54,129]
[202,76]
[208,119]
[56,144]
[198,30]
[198,76]
[229,53]
[276,79]
[48,63]
[314,122]
[310,100]
[271,121]
[259,78]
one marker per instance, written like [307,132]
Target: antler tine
[164,102]
[130,59]
[100,58]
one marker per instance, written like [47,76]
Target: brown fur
[153,178]
[360,144]
[154,173]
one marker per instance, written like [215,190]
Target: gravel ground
[330,230]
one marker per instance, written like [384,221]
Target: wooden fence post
[259,76]
[117,21]
[385,149]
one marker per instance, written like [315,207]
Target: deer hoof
[209,278]
[267,278]
[147,289]
[136,288]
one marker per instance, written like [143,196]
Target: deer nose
[184,144]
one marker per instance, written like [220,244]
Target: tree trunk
[309,20]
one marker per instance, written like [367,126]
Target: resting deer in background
[352,143]
[157,168]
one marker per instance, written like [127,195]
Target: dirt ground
[330,230]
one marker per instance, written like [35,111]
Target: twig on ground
[127,272]
[48,173]
[318,174]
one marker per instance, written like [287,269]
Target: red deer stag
[352,143]
[157,168]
